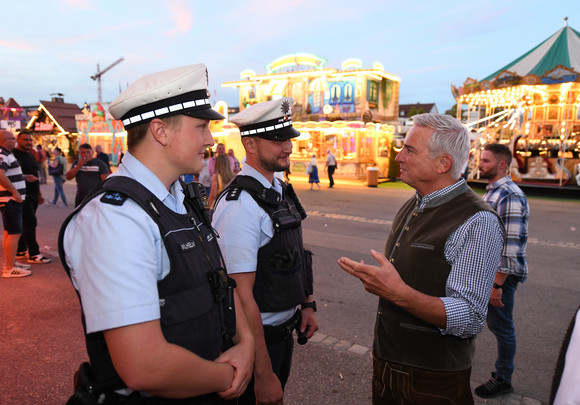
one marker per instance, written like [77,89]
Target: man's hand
[82,161]
[495,297]
[383,281]
[386,282]
[17,197]
[30,178]
[241,358]
[308,322]
[268,390]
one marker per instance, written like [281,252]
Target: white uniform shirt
[117,256]
[243,228]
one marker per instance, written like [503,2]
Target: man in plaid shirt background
[510,203]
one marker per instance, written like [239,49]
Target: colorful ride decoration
[533,105]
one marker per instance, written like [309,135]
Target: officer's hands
[308,322]
[383,281]
[268,390]
[495,297]
[241,358]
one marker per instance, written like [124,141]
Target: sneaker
[39,259]
[22,255]
[21,265]
[62,205]
[49,203]
[494,387]
[15,272]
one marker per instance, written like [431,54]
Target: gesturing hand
[383,281]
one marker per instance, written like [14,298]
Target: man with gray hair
[435,278]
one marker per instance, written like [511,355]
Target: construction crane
[97,76]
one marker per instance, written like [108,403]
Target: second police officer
[258,219]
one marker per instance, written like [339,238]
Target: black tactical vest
[284,270]
[195,298]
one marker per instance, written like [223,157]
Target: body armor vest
[195,298]
[284,268]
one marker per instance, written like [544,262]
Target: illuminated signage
[247,74]
[352,64]
[296,59]
[43,126]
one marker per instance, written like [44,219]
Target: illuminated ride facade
[96,126]
[351,112]
[533,106]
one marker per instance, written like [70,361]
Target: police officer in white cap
[158,307]
[258,219]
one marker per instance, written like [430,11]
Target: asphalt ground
[42,341]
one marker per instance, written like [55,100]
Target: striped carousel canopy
[562,48]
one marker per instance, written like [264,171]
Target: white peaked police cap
[179,91]
[268,120]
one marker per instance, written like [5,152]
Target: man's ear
[445,163]
[503,166]
[158,129]
[250,144]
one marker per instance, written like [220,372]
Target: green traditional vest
[415,246]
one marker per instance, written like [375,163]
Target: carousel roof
[562,48]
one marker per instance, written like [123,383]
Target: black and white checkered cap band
[182,103]
[263,127]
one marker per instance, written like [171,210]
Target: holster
[85,391]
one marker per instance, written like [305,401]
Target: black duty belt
[279,333]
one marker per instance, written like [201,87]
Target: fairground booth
[532,105]
[11,115]
[53,124]
[350,111]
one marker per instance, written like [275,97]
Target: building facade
[350,111]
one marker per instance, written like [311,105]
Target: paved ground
[42,337]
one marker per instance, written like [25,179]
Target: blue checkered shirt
[511,204]
[473,251]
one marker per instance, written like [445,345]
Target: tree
[414,111]
[452,111]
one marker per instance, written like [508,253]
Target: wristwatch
[309,305]
[496,285]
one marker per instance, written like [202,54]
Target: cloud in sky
[181,16]
[78,4]
[17,45]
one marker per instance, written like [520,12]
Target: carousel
[533,106]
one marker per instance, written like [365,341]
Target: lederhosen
[196,301]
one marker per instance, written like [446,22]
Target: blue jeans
[501,323]
[58,190]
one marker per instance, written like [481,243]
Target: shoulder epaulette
[261,194]
[114,197]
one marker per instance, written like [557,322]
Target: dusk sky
[54,46]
